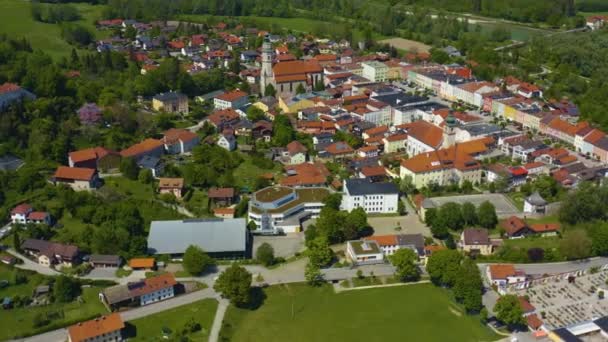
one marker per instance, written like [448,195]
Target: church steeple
[266,72]
[449,134]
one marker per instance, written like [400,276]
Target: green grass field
[298,312]
[534,242]
[16,21]
[150,327]
[19,321]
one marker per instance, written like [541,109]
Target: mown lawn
[534,242]
[150,328]
[246,174]
[298,312]
[16,21]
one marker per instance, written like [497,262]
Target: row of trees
[454,216]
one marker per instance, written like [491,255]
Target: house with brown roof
[226,213]
[502,275]
[475,241]
[222,196]
[297,153]
[76,178]
[392,243]
[337,150]
[232,99]
[179,141]
[515,227]
[51,253]
[171,102]
[99,158]
[422,137]
[306,175]
[143,292]
[173,186]
[376,173]
[148,147]
[106,328]
[222,119]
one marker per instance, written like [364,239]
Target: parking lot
[284,246]
[561,303]
[409,224]
[504,207]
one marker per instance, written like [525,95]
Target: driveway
[31,265]
[284,246]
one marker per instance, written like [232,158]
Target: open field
[150,327]
[504,207]
[298,312]
[406,44]
[16,21]
[19,321]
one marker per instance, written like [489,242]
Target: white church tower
[266,72]
[449,134]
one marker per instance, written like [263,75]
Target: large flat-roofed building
[374,198]
[220,238]
[282,209]
[366,252]
[375,71]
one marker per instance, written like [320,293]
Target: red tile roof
[170,183]
[21,209]
[373,171]
[141,263]
[222,116]
[154,284]
[545,227]
[232,96]
[9,88]
[533,321]
[384,240]
[142,147]
[501,271]
[38,215]
[326,57]
[296,147]
[220,193]
[376,130]
[74,173]
[174,135]
[459,157]
[87,330]
[525,305]
[296,67]
[89,154]
[424,132]
[513,224]
[339,148]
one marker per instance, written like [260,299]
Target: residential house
[105,261]
[235,99]
[375,71]
[535,204]
[375,173]
[515,227]
[535,168]
[172,186]
[596,22]
[179,141]
[306,175]
[376,198]
[143,292]
[337,150]
[106,328]
[225,213]
[366,252]
[222,119]
[502,275]
[11,93]
[395,143]
[422,137]
[222,196]
[99,158]
[475,241]
[297,153]
[76,178]
[51,253]
[153,164]
[148,147]
[370,151]
[220,238]
[392,243]
[172,102]
[262,130]
[24,213]
[227,140]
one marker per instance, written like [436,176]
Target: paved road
[33,266]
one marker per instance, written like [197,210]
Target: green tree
[319,252]
[129,168]
[300,89]
[404,260]
[196,260]
[145,176]
[65,289]
[486,214]
[509,311]
[468,286]
[451,215]
[313,274]
[469,214]
[17,240]
[255,114]
[333,201]
[270,90]
[265,254]
[575,244]
[444,266]
[235,284]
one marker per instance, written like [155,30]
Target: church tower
[266,72]
[449,134]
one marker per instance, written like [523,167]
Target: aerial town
[213,178]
